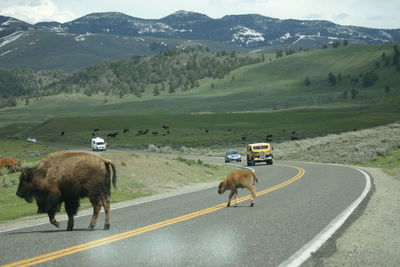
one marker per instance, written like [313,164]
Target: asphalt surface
[281,222]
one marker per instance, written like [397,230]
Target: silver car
[232,155]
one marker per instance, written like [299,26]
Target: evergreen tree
[336,44]
[354,94]
[279,53]
[156,91]
[331,78]
[307,81]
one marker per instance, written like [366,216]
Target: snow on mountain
[11,38]
[247,36]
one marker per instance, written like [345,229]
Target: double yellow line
[138,231]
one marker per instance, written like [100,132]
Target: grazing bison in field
[142,132]
[10,163]
[67,177]
[96,130]
[112,135]
[166,127]
[62,133]
[154,133]
[239,179]
[126,130]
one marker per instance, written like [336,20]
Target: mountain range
[100,36]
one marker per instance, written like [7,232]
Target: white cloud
[34,11]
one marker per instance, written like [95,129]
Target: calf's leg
[252,189]
[236,198]
[230,197]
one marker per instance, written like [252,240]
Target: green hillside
[247,104]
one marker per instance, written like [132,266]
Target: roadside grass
[24,151]
[137,176]
[356,147]
[390,163]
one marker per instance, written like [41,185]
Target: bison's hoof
[106,227]
[56,224]
[70,228]
[91,227]
[251,204]
[228,205]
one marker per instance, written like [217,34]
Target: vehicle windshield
[100,143]
[260,147]
[232,152]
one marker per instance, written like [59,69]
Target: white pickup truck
[98,144]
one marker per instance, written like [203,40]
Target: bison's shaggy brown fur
[67,177]
[10,163]
[239,179]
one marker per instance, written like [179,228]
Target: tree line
[171,70]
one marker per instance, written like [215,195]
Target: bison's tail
[255,177]
[114,172]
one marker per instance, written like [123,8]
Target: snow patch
[246,35]
[11,38]
[10,20]
[5,53]
[82,37]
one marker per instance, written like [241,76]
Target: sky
[382,14]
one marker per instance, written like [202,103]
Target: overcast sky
[367,13]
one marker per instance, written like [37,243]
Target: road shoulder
[371,239]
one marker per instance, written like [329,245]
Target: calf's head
[26,187]
[222,188]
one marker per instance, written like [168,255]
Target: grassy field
[252,101]
[224,129]
[137,176]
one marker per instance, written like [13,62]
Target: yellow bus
[259,152]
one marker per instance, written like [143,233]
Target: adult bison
[67,177]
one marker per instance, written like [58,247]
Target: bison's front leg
[71,207]
[53,220]
[53,203]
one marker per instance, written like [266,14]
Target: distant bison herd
[166,131]
[66,177]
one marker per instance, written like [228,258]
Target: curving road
[295,202]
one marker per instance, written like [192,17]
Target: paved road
[195,229]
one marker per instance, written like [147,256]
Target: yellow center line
[138,231]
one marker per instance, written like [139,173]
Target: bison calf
[67,177]
[239,179]
[10,163]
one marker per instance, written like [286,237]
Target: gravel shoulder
[372,239]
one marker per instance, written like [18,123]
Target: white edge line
[300,256]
